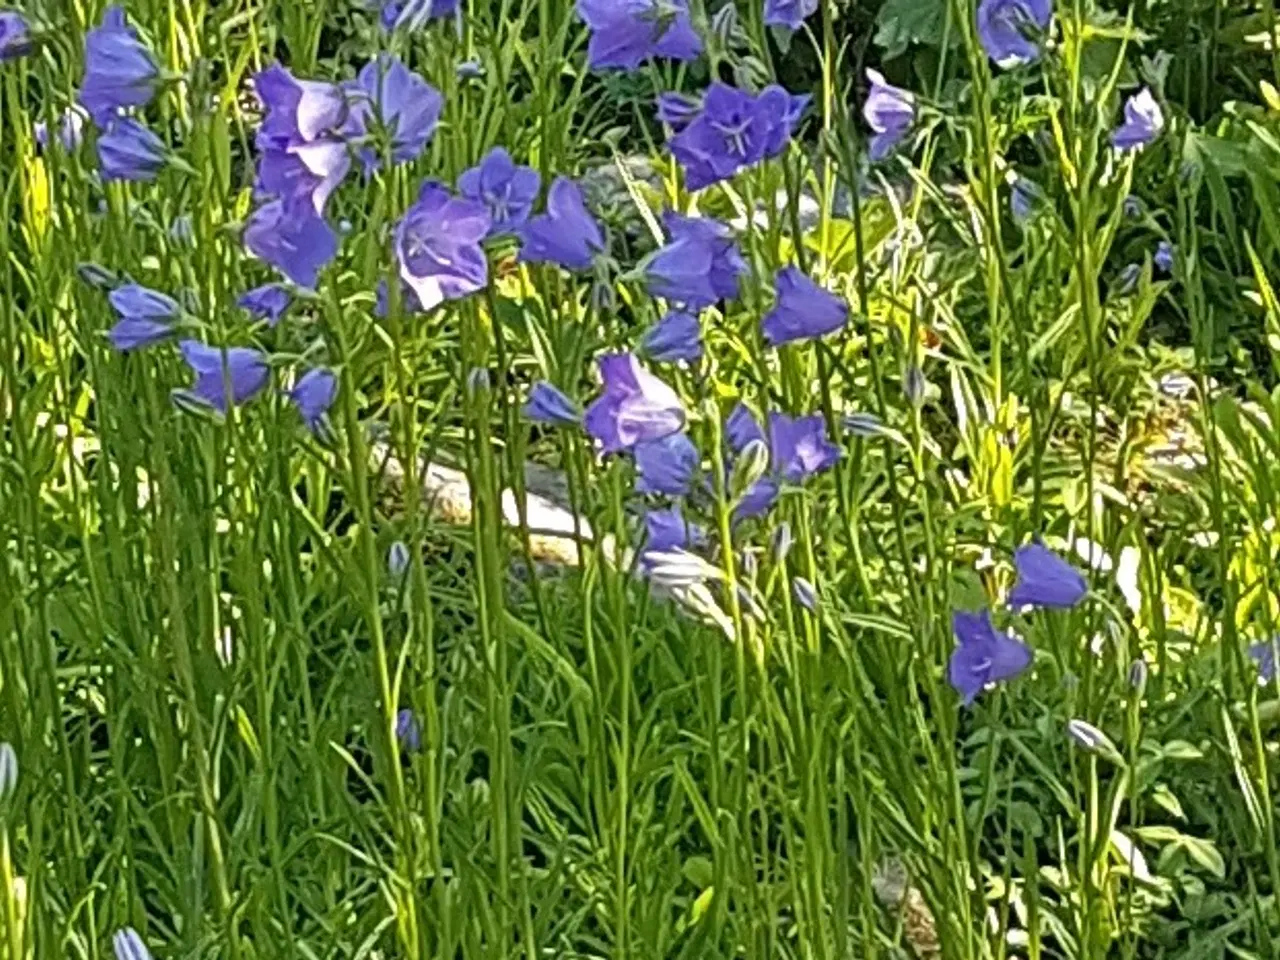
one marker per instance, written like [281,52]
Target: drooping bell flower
[667,530]
[548,405]
[626,33]
[666,465]
[803,309]
[889,111]
[507,190]
[408,730]
[983,655]
[677,336]
[293,238]
[15,35]
[1163,257]
[635,406]
[1010,30]
[699,266]
[129,151]
[387,96]
[146,317]
[1045,579]
[566,234]
[439,246]
[243,369]
[799,446]
[119,71]
[313,395]
[1143,121]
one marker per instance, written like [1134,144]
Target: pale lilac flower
[635,406]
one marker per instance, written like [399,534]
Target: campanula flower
[741,432]
[546,404]
[70,129]
[566,234]
[389,96]
[243,368]
[145,317]
[634,406]
[15,36]
[129,335]
[1264,655]
[741,427]
[733,131]
[129,151]
[288,169]
[298,110]
[1143,121]
[438,246]
[983,655]
[677,336]
[626,33]
[1045,579]
[119,71]
[803,310]
[127,944]
[700,265]
[408,730]
[293,238]
[788,14]
[1163,257]
[267,302]
[889,111]
[668,530]
[666,465]
[799,446]
[507,190]
[677,110]
[313,396]
[1009,29]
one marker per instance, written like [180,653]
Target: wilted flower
[1045,579]
[789,14]
[1009,29]
[119,70]
[889,111]
[408,730]
[70,132]
[566,234]
[8,769]
[1143,121]
[666,465]
[146,317]
[1163,257]
[803,309]
[635,406]
[626,33]
[546,404]
[128,945]
[15,37]
[439,246]
[983,655]
[267,302]
[507,190]
[129,151]
[1264,655]
[734,131]
[799,446]
[677,336]
[293,238]
[398,559]
[699,266]
[313,395]
[243,369]
[806,594]
[391,97]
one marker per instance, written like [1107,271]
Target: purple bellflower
[15,36]
[298,168]
[983,655]
[1264,655]
[145,316]
[741,427]
[438,245]
[546,404]
[799,446]
[313,395]
[119,71]
[507,190]
[803,309]
[667,465]
[1143,121]
[267,302]
[566,234]
[626,33]
[634,407]
[677,336]
[301,152]
[1009,29]
[293,238]
[700,265]
[298,110]
[127,944]
[889,111]
[788,14]
[1024,197]
[733,131]
[667,530]
[1045,579]
[129,151]
[408,730]
[245,370]
[389,96]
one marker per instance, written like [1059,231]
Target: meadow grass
[206,658]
